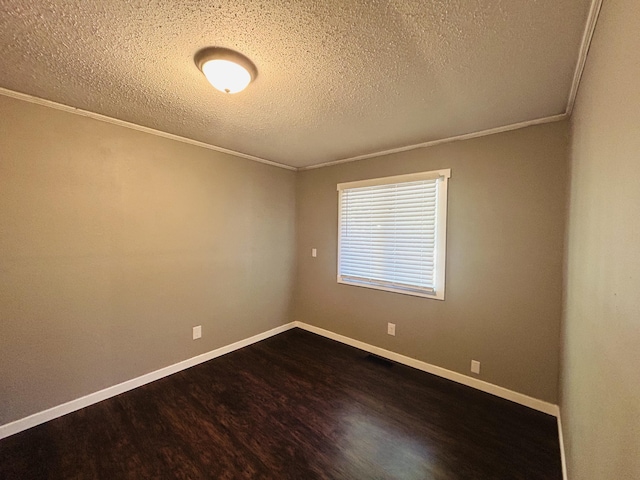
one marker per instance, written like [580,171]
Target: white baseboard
[73,405]
[563,458]
[501,392]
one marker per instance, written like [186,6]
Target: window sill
[402,291]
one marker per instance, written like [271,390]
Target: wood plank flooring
[294,406]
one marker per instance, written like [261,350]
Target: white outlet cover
[314,252]
[197,332]
[391,329]
[475,366]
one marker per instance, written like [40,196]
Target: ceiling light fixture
[227,70]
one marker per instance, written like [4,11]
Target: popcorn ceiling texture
[336,78]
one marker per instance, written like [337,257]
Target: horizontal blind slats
[388,234]
[354,264]
[372,281]
[424,185]
[383,277]
[359,197]
[379,207]
[409,286]
[401,232]
[406,240]
[382,260]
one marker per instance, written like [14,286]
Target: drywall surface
[600,394]
[504,260]
[115,243]
[368,75]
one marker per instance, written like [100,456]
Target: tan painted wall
[114,243]
[600,403]
[504,260]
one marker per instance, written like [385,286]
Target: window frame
[442,176]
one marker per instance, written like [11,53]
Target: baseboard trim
[563,458]
[486,387]
[73,405]
[22,424]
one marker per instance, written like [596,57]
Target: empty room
[341,239]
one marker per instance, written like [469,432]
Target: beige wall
[504,260]
[601,346]
[114,243]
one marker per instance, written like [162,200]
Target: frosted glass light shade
[226,76]
[227,70]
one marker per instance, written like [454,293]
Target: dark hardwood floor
[295,406]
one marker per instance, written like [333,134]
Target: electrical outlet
[391,329]
[314,252]
[475,366]
[197,332]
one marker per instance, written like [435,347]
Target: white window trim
[441,236]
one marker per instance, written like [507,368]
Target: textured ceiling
[336,79]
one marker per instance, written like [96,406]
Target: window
[392,233]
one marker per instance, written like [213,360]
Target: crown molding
[134,126]
[587,36]
[594,12]
[466,136]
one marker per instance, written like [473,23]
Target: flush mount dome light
[227,70]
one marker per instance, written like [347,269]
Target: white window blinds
[392,233]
